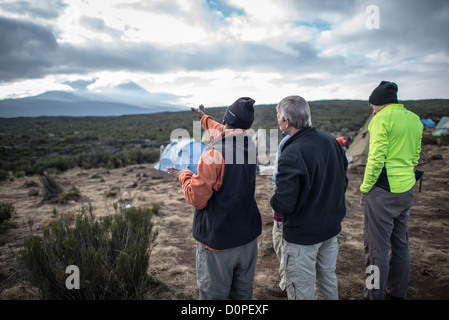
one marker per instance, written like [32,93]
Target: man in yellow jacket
[388,192]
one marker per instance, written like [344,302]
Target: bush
[155,207]
[427,139]
[51,188]
[444,140]
[6,211]
[59,163]
[111,252]
[72,195]
[3,174]
[94,159]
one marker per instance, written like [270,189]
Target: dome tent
[428,123]
[180,154]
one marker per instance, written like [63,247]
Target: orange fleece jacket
[198,188]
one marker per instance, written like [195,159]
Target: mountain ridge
[124,99]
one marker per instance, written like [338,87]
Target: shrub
[427,139]
[444,140]
[72,195]
[113,192]
[111,252]
[51,188]
[59,163]
[155,207]
[3,174]
[94,159]
[6,211]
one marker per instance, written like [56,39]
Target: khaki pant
[310,265]
[278,245]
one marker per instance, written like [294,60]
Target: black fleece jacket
[310,187]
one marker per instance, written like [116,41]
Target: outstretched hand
[200,112]
[176,172]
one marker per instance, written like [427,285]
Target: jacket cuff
[365,189]
[181,177]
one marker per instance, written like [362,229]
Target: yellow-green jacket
[394,147]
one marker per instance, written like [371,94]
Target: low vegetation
[111,255]
[31,146]
[7,210]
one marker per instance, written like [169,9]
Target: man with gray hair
[310,195]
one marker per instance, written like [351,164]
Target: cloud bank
[214,51]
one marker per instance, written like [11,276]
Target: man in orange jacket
[227,220]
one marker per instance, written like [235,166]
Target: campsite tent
[180,154]
[442,128]
[358,149]
[428,123]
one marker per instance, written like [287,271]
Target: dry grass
[173,258]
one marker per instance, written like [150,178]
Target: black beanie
[240,114]
[385,93]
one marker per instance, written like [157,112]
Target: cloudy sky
[213,51]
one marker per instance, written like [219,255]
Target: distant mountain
[124,99]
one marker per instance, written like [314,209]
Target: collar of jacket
[391,106]
[296,135]
[229,132]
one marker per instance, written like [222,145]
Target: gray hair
[296,110]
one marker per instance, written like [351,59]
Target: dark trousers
[386,243]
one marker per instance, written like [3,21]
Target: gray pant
[228,274]
[385,231]
[307,265]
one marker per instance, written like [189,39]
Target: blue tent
[180,154]
[428,123]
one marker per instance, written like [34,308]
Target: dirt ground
[173,257]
